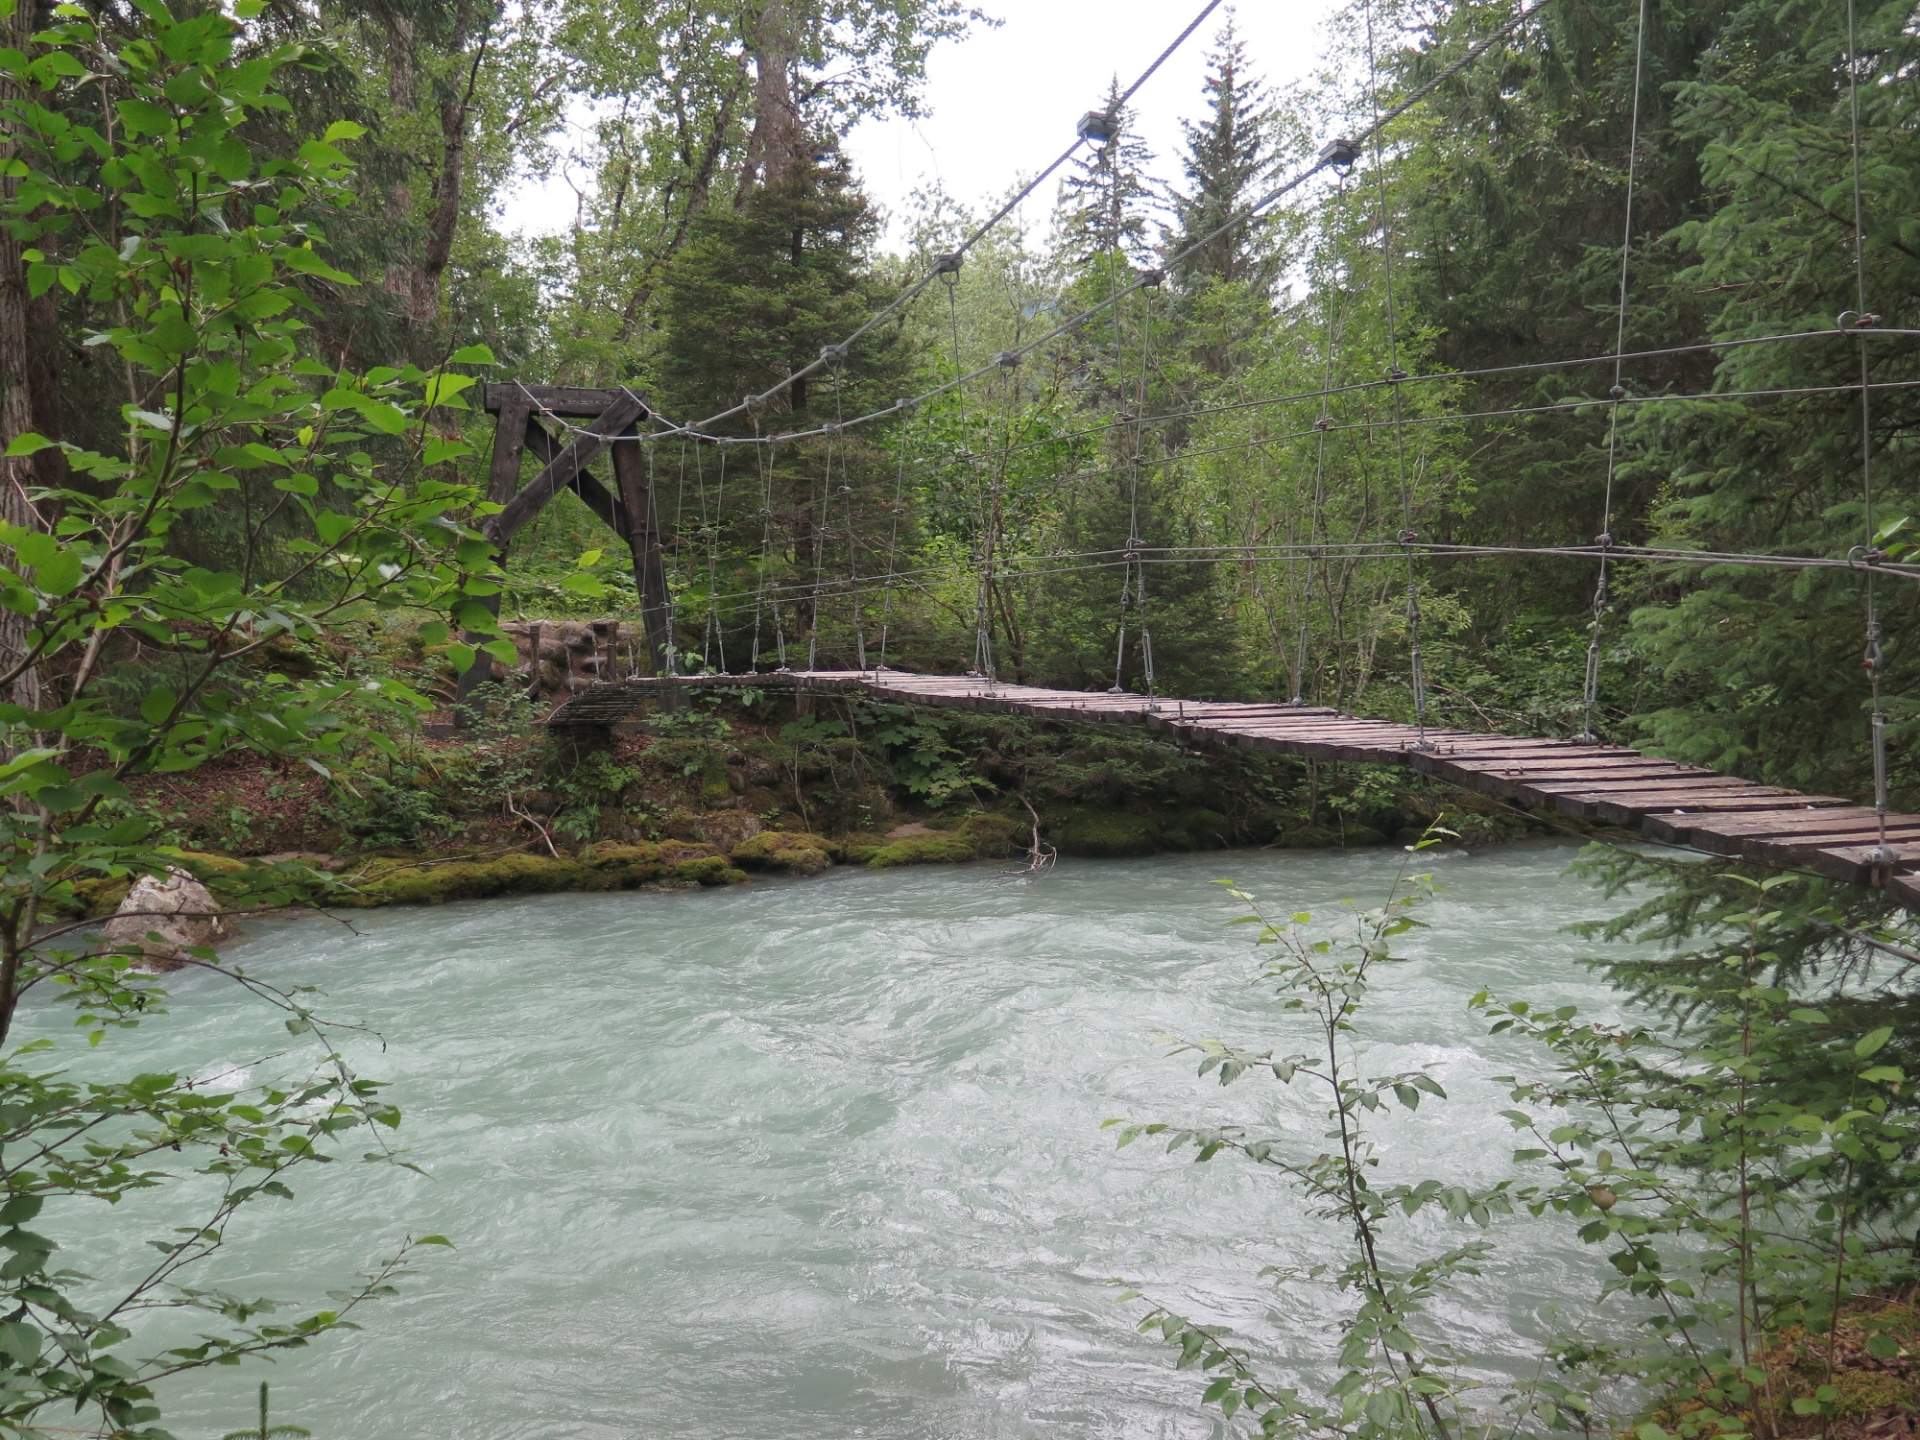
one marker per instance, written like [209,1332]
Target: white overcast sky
[1003,102]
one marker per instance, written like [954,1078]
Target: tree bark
[775,145]
[20,363]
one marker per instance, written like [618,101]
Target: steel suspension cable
[906,296]
[1596,627]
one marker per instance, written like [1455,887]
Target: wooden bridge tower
[566,428]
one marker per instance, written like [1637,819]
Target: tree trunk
[400,88]
[19,365]
[774,148]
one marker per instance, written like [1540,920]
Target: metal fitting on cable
[1097,127]
[1617,393]
[1325,422]
[947,262]
[830,427]
[1865,555]
[905,403]
[833,354]
[1873,660]
[1340,153]
[1856,320]
[1008,359]
[1409,537]
[1396,375]
[1153,279]
[1604,540]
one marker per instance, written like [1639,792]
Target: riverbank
[739,783]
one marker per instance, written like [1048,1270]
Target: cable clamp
[833,354]
[1865,555]
[1340,153]
[1153,279]
[947,262]
[1856,320]
[1325,422]
[1617,394]
[830,427]
[1396,375]
[905,403]
[1874,659]
[1008,359]
[1097,127]
[1604,540]
[1409,537]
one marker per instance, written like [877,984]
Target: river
[822,1159]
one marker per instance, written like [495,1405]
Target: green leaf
[1872,1041]
[28,444]
[343,130]
[157,705]
[20,1343]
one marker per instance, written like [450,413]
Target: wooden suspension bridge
[1609,784]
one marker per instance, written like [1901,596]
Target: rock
[908,831]
[164,916]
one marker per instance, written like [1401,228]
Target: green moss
[1104,833]
[940,848]
[796,854]
[1869,1392]
[860,847]
[205,866]
[605,867]
[992,834]
[708,870]
[1197,828]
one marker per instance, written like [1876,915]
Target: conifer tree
[1227,152]
[1109,201]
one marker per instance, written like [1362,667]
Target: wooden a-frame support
[611,417]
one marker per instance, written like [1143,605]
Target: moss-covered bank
[738,783]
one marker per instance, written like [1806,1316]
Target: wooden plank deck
[1665,801]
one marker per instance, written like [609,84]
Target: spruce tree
[1227,153]
[755,295]
[1109,201]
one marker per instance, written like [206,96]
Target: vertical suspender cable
[706,535]
[982,640]
[1873,661]
[820,529]
[854,588]
[714,626]
[1591,695]
[1316,519]
[893,537]
[1408,536]
[766,457]
[666,581]
[1134,540]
